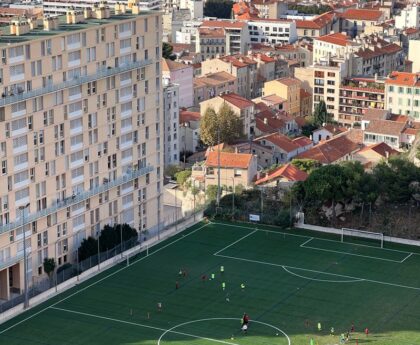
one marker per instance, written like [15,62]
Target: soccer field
[293,280]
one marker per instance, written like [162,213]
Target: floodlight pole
[25,258]
[218,167]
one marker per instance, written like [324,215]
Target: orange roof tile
[223,24]
[229,160]
[382,149]
[386,127]
[237,101]
[212,32]
[336,38]
[282,141]
[187,116]
[288,171]
[362,14]
[403,79]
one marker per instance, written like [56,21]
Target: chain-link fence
[168,227]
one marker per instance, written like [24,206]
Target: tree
[211,192]
[171,170]
[88,248]
[110,236]
[320,114]
[239,189]
[167,51]
[218,8]
[182,177]
[225,121]
[49,266]
[306,165]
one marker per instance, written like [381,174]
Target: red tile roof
[288,172]
[283,142]
[237,101]
[382,149]
[331,150]
[386,127]
[187,116]
[169,65]
[229,160]
[362,14]
[336,38]
[403,79]
[223,24]
[212,32]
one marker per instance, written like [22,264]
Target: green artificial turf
[293,280]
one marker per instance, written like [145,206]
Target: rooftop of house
[170,66]
[6,38]
[228,24]
[333,129]
[236,100]
[375,114]
[362,14]
[332,150]
[404,79]
[214,79]
[316,23]
[187,116]
[284,142]
[273,99]
[287,171]
[289,81]
[336,38]
[381,149]
[386,127]
[229,160]
[212,32]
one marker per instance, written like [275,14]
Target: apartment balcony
[56,206]
[101,74]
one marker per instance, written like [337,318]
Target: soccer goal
[347,233]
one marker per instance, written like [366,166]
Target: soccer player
[203,278]
[312,342]
[222,269]
[242,286]
[176,285]
[367,331]
[319,327]
[180,272]
[159,306]
[332,331]
[352,327]
[223,286]
[212,276]
[245,319]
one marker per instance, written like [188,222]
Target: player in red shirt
[367,331]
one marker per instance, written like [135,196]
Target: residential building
[171,123]
[354,101]
[189,131]
[321,25]
[371,155]
[181,74]
[339,148]
[336,45]
[272,31]
[237,34]
[210,42]
[284,176]
[8,14]
[326,132]
[235,169]
[409,17]
[244,68]
[384,131]
[271,9]
[288,89]
[284,149]
[213,84]
[413,55]
[241,106]
[242,10]
[80,117]
[267,122]
[402,94]
[355,20]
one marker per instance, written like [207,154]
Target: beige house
[355,20]
[318,26]
[81,146]
[288,89]
[213,84]
[210,42]
[241,106]
[235,169]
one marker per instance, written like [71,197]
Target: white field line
[317,238]
[322,280]
[306,242]
[100,280]
[346,253]
[406,257]
[320,272]
[233,243]
[142,325]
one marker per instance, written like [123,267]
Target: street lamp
[25,259]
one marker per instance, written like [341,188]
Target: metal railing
[104,73]
[74,199]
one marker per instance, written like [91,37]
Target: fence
[94,264]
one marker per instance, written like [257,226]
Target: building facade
[81,114]
[171,124]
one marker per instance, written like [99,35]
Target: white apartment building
[408,18]
[81,143]
[60,7]
[171,124]
[272,31]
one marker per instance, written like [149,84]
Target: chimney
[119,8]
[102,11]
[19,27]
[74,17]
[87,13]
[135,9]
[50,23]
[33,23]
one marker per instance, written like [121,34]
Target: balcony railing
[103,73]
[77,198]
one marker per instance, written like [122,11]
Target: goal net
[348,234]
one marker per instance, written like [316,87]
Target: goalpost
[347,232]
